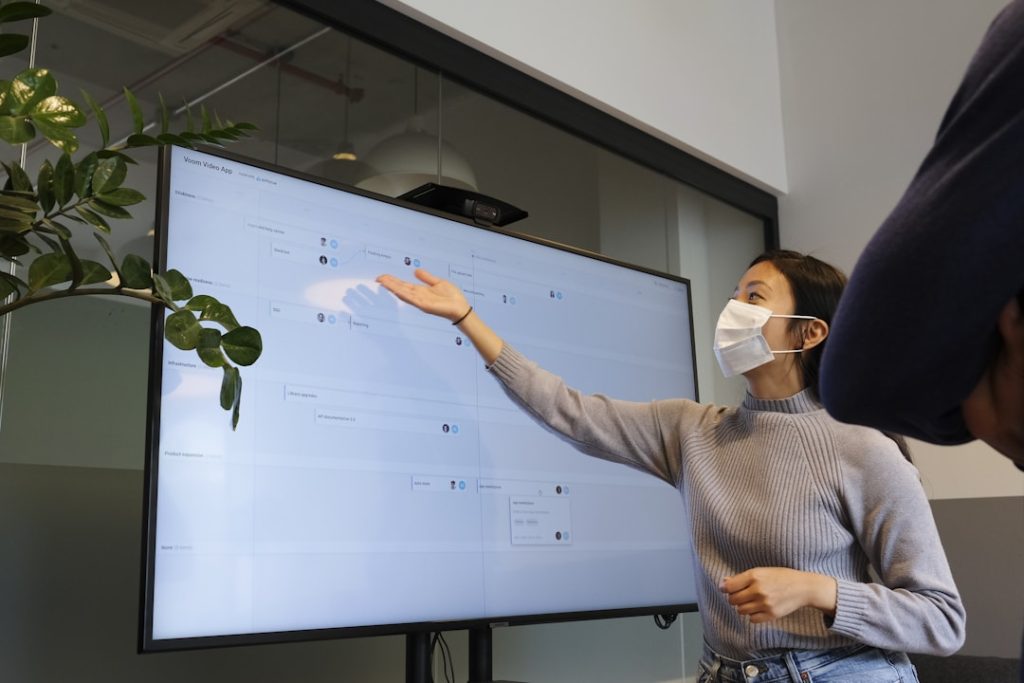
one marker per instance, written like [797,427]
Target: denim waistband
[785,666]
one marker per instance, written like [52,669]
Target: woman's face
[764,285]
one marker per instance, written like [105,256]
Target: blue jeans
[854,664]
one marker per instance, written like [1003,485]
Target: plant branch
[94,291]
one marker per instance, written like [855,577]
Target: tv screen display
[379,480]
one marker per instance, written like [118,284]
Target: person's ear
[814,333]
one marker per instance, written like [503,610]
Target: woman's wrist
[462,318]
[824,594]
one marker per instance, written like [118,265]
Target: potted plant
[40,212]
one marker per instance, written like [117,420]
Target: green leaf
[84,171]
[44,186]
[136,273]
[15,215]
[109,175]
[13,245]
[100,116]
[59,136]
[163,290]
[12,43]
[205,116]
[133,104]
[13,225]
[18,202]
[122,196]
[110,210]
[229,387]
[165,116]
[48,269]
[200,302]
[30,89]
[208,348]
[64,180]
[191,137]
[173,139]
[217,312]
[94,273]
[18,11]
[52,244]
[180,288]
[76,264]
[93,218]
[238,400]
[246,126]
[56,228]
[18,179]
[182,329]
[16,129]
[7,288]
[59,111]
[139,140]
[243,345]
[11,285]
[107,153]
[110,255]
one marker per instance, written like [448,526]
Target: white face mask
[739,343]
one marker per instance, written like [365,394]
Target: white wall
[864,86]
[700,74]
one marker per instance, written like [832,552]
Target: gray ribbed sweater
[776,483]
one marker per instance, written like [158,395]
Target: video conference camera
[477,207]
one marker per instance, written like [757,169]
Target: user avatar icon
[323,241]
[408,261]
[323,259]
[334,244]
[551,294]
[445,428]
[558,490]
[558,535]
[452,483]
[334,263]
[504,298]
[320,317]
[458,341]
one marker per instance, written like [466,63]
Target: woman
[788,507]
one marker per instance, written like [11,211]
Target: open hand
[769,593]
[436,296]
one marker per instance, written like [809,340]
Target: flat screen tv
[380,481]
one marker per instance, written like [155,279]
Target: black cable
[664,621]
[450,659]
[447,661]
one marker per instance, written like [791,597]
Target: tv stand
[480,650]
[417,657]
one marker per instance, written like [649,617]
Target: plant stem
[65,293]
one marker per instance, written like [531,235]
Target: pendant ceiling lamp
[408,160]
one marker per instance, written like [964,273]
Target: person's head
[790,283]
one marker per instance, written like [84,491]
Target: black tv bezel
[146,643]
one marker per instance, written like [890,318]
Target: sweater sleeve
[916,607]
[916,326]
[646,436]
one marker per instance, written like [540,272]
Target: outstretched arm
[444,299]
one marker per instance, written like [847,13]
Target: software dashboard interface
[379,474]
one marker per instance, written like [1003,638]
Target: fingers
[427,277]
[731,584]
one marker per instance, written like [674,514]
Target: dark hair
[817,287]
